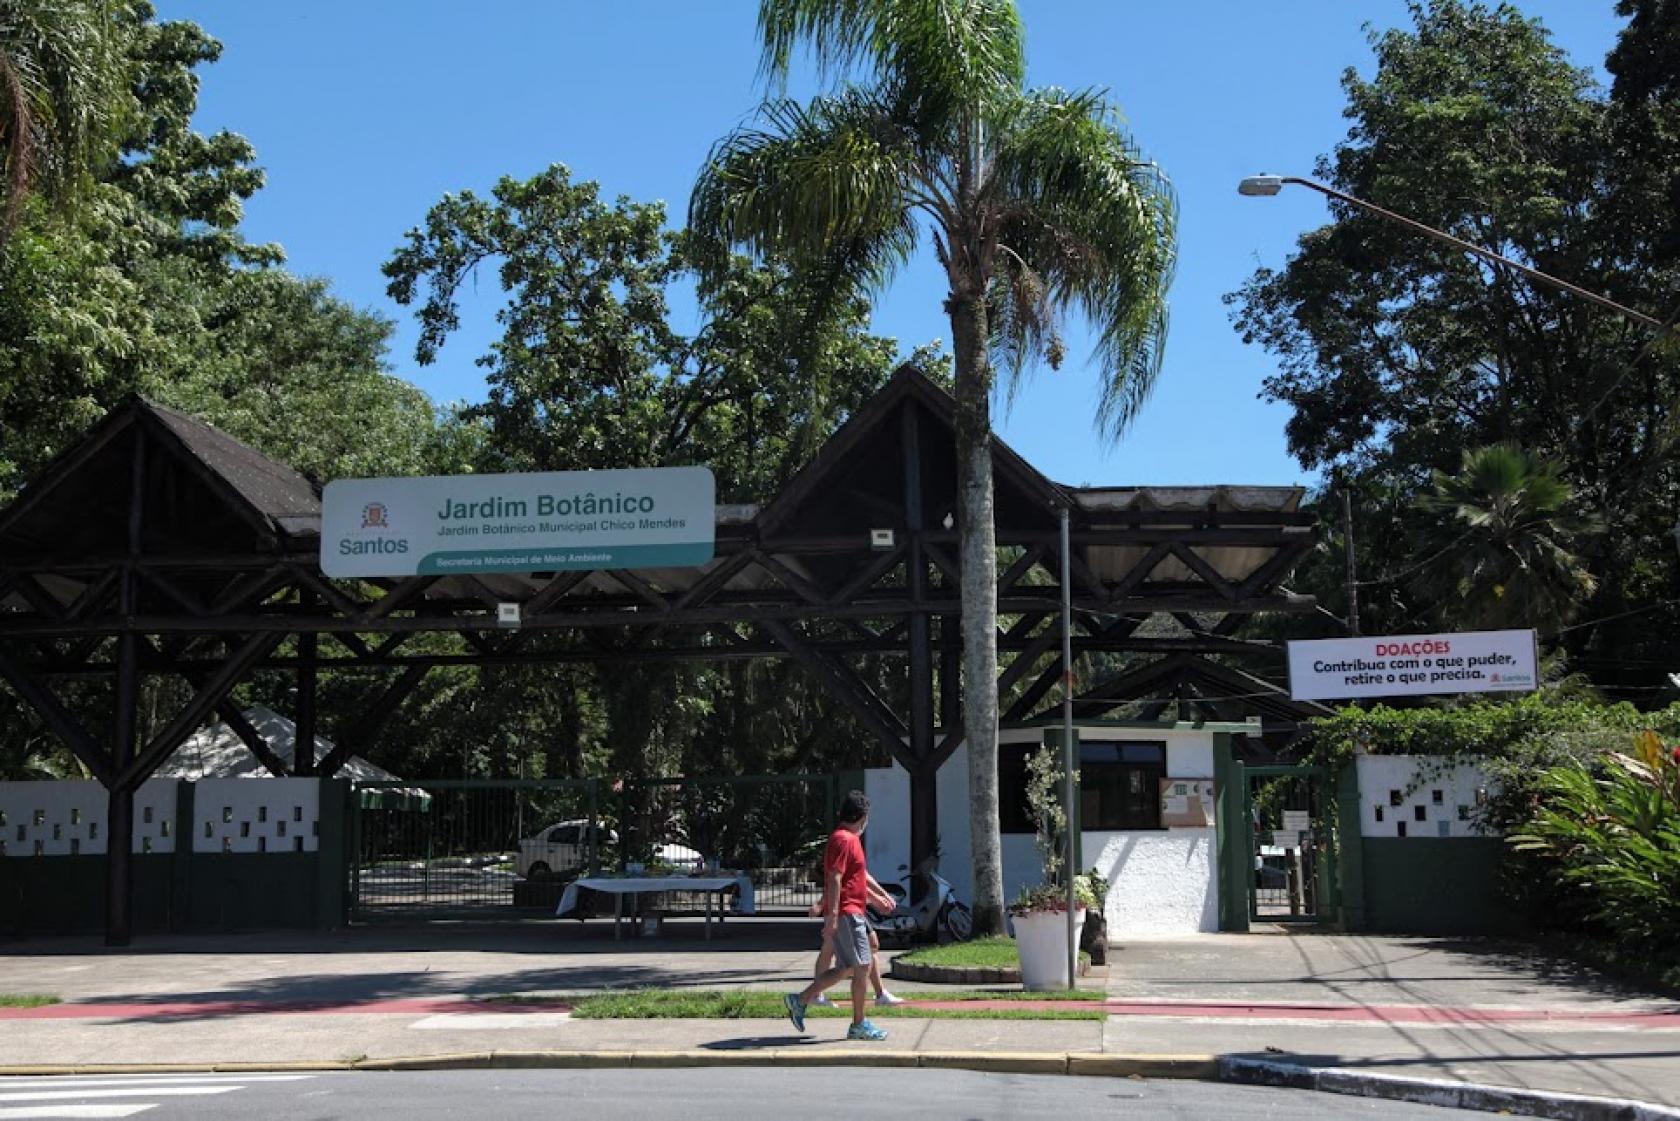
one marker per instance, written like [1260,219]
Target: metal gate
[1290,812]
[506,849]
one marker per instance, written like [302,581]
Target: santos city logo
[375,515]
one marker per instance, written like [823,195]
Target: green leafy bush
[1607,837]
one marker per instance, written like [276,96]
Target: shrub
[1607,837]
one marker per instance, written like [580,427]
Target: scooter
[938,909]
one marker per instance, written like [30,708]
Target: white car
[561,847]
[564,847]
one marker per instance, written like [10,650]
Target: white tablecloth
[632,885]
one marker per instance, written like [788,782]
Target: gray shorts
[851,940]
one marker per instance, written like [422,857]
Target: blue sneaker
[795,1010]
[865,1030]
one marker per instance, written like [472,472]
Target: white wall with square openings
[1421,796]
[69,818]
[257,815]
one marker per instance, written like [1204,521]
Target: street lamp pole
[1267,185]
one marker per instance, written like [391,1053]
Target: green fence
[492,849]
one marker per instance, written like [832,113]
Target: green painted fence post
[180,862]
[1351,861]
[332,853]
[1233,847]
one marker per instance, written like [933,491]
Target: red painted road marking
[205,1009]
[1335,1013]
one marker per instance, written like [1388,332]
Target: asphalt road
[736,1094]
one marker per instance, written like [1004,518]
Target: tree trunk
[977,549]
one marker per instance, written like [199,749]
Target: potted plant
[1093,938]
[1039,914]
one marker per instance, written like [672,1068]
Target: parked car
[561,847]
[564,847]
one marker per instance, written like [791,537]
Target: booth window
[1119,785]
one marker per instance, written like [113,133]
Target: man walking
[845,923]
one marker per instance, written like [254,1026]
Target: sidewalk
[1467,1011]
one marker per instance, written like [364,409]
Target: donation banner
[1413,665]
[662,517]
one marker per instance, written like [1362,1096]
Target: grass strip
[982,953]
[683,1004]
[26,1000]
[997,952]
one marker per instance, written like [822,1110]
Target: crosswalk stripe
[45,1112]
[64,1082]
[149,1092]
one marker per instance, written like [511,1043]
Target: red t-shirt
[844,855]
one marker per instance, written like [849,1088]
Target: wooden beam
[846,688]
[714,581]
[1042,684]
[1023,565]
[373,720]
[1139,572]
[883,563]
[82,743]
[395,596]
[214,690]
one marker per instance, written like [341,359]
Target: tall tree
[588,371]
[1395,352]
[1035,201]
[1506,542]
[63,96]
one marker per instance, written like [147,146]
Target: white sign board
[540,522]
[1297,821]
[1413,665]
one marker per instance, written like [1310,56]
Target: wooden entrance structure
[160,546]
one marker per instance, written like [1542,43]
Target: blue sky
[365,113]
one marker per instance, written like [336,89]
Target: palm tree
[63,80]
[1505,548]
[1035,202]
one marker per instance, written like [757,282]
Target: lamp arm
[1486,254]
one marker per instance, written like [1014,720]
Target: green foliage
[590,373]
[1036,201]
[1050,829]
[1506,557]
[145,285]
[1396,352]
[63,97]
[1515,742]
[26,1000]
[1608,837]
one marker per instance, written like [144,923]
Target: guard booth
[1166,813]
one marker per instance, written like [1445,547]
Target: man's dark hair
[853,807]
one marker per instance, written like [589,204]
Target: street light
[1264,186]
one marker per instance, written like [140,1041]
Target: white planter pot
[1041,939]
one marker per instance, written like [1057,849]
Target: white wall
[256,815]
[68,818]
[1161,881]
[886,843]
[1438,797]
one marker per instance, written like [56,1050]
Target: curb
[1441,1092]
[1201,1068]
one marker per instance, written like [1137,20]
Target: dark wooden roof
[216,494]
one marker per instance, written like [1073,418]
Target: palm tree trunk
[977,549]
